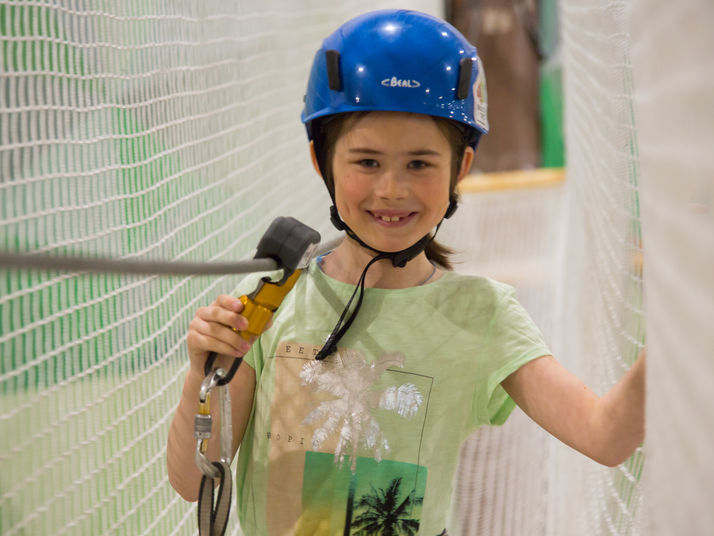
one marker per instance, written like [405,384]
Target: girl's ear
[313,157]
[466,162]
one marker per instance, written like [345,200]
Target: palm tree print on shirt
[384,512]
[351,379]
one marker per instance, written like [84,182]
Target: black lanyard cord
[339,330]
[399,259]
[208,367]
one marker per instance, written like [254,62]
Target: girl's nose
[390,185]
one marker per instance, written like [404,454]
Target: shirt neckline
[315,267]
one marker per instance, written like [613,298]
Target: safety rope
[47,262]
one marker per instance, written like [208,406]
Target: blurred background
[518,41]
[169,130]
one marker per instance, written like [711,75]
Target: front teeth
[388,218]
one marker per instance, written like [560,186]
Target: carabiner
[203,423]
[213,515]
[209,382]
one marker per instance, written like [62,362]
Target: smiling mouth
[392,218]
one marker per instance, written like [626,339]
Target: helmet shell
[399,60]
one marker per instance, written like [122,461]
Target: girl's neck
[348,260]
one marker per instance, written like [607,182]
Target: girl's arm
[607,429]
[210,330]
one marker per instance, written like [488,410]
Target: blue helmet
[398,60]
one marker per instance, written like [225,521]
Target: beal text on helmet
[398,82]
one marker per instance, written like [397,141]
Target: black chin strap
[399,259]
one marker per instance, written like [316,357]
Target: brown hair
[327,131]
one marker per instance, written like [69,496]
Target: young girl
[353,422]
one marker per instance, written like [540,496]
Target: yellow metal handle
[259,305]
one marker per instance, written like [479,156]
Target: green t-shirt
[371,435]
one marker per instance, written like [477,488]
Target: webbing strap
[213,518]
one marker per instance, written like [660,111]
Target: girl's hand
[213,329]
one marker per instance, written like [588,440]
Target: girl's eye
[368,162]
[418,164]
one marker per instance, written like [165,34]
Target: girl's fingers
[202,344]
[213,331]
[223,315]
[216,328]
[229,302]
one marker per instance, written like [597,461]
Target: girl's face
[392,173]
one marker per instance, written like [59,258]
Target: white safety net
[601,320]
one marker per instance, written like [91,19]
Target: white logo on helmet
[480,98]
[398,82]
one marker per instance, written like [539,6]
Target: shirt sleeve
[513,341]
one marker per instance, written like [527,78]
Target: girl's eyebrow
[424,152]
[417,152]
[363,150]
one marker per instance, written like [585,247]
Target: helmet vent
[464,85]
[332,58]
